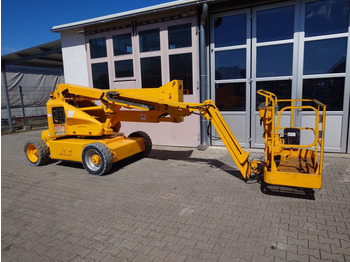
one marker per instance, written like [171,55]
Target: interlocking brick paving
[179,204]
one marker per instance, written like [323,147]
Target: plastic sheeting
[36,83]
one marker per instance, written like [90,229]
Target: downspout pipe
[4,84]
[203,75]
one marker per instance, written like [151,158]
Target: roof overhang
[129,14]
[47,55]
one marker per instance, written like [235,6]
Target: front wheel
[97,159]
[36,151]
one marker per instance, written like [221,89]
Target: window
[179,36]
[326,17]
[149,40]
[230,64]
[230,30]
[98,47]
[100,75]
[143,58]
[281,88]
[230,96]
[329,91]
[124,68]
[122,44]
[325,56]
[151,74]
[325,53]
[181,68]
[275,24]
[274,60]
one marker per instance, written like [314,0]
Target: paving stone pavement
[179,204]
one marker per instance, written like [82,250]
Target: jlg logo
[66,152]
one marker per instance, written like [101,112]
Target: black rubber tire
[105,155]
[148,142]
[42,151]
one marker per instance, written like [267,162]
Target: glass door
[324,66]
[296,49]
[274,59]
[230,71]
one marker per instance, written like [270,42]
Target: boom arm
[163,104]
[209,111]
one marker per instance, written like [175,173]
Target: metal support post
[4,82]
[203,75]
[23,112]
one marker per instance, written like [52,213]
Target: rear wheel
[148,142]
[97,159]
[36,151]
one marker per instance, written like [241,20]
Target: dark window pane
[149,40]
[326,17]
[325,56]
[122,44]
[100,75]
[181,68]
[151,74]
[275,60]
[98,47]
[230,96]
[329,91]
[230,30]
[275,24]
[230,64]
[282,89]
[124,68]
[179,36]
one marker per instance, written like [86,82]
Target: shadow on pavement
[274,190]
[116,166]
[186,156]
[68,164]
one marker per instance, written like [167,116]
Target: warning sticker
[60,130]
[143,117]
[70,113]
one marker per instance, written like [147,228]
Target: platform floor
[295,164]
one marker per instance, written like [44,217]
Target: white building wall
[76,71]
[74,58]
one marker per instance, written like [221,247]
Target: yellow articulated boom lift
[81,130]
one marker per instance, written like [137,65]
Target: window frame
[91,61]
[185,88]
[105,38]
[120,33]
[255,80]
[301,77]
[184,50]
[136,55]
[116,58]
[302,41]
[142,29]
[235,114]
[178,25]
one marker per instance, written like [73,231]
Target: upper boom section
[144,99]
